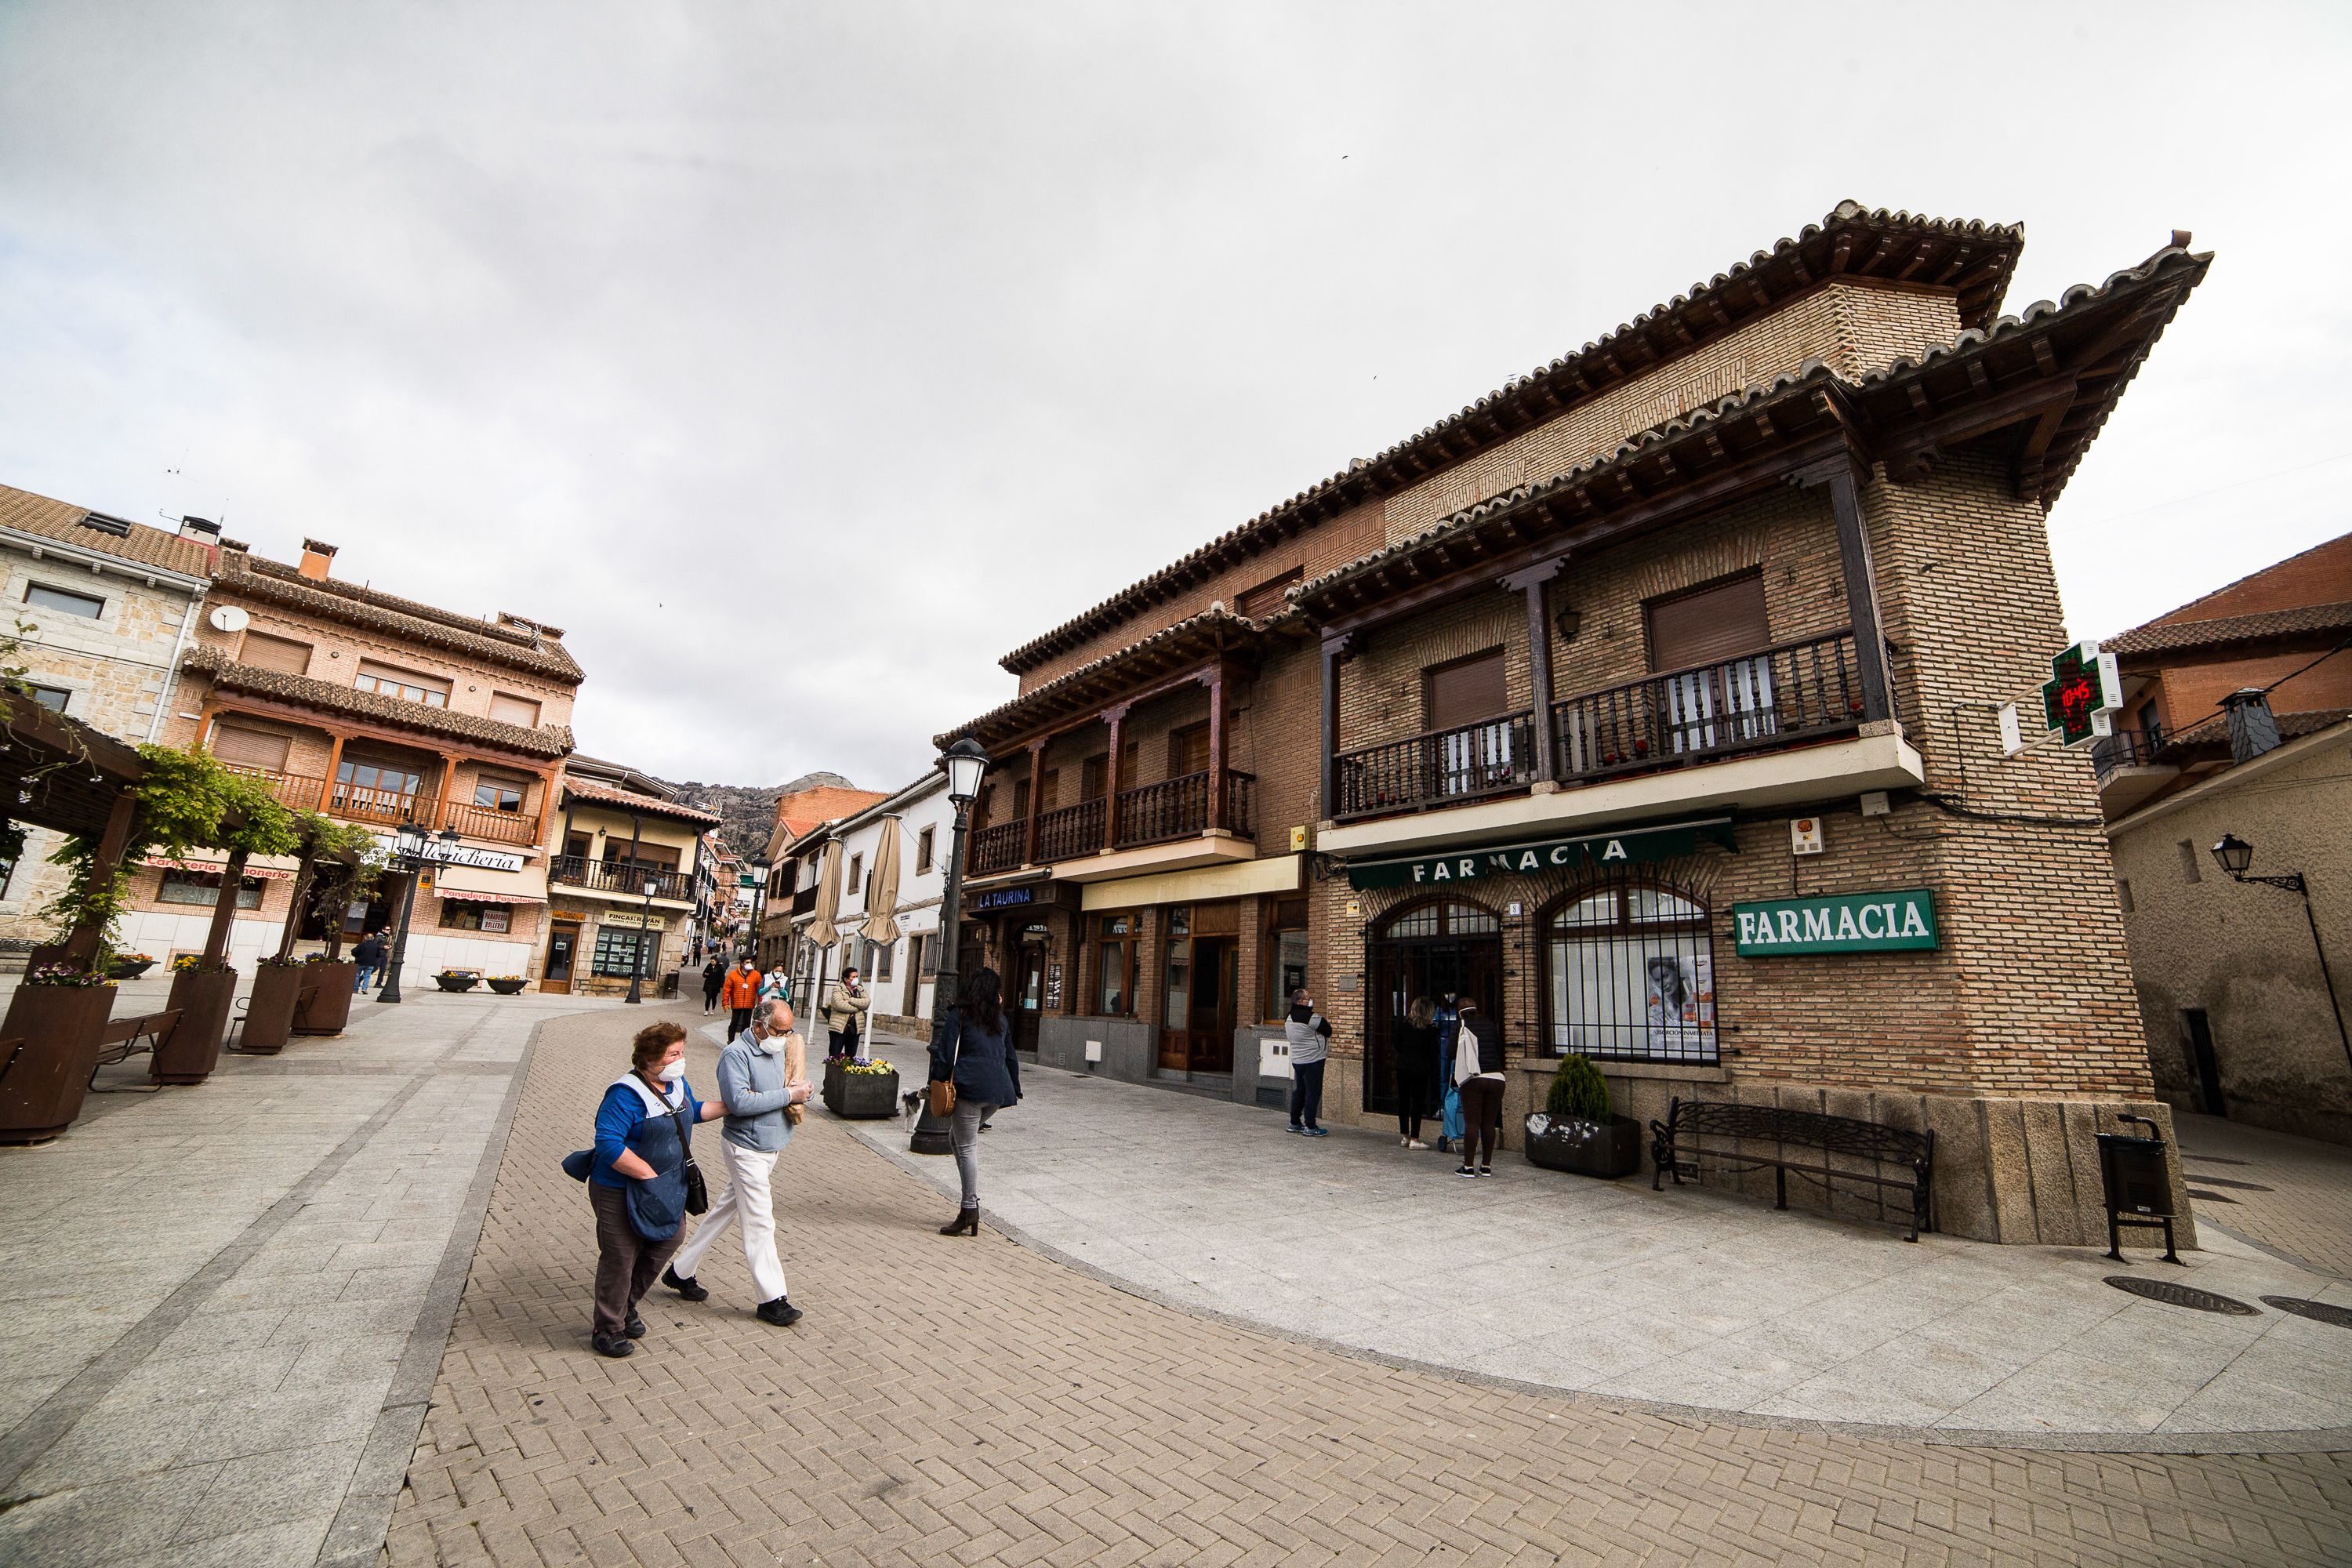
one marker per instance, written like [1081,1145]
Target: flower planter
[457,981]
[59,1026]
[202,997]
[507,987]
[1607,1150]
[860,1096]
[324,1005]
[269,1011]
[129,968]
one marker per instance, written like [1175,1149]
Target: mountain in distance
[748,812]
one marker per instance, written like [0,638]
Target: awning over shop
[1667,841]
[467,896]
[527,886]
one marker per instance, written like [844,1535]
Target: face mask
[675,1072]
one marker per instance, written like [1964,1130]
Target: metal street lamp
[963,763]
[2236,856]
[411,846]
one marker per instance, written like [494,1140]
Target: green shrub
[1579,1092]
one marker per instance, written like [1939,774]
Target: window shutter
[250,748]
[1708,627]
[509,709]
[284,655]
[1466,691]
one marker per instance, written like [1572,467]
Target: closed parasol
[881,928]
[822,930]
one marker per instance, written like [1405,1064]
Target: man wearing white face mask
[763,1081]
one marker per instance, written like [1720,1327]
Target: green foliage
[1579,1092]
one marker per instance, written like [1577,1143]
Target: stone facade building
[1651,700]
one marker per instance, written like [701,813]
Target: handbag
[698,1195]
[1465,1057]
[943,1089]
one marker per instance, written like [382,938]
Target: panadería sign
[1629,847]
[1842,922]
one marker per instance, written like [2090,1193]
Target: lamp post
[409,852]
[963,763]
[637,961]
[2236,856]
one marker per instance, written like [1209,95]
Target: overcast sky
[801,361]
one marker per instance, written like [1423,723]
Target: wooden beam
[223,909]
[1861,584]
[81,943]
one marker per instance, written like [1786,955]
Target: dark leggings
[1482,1118]
[1412,1102]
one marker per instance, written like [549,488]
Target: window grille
[1629,976]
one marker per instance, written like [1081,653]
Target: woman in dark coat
[713,973]
[975,1053]
[1415,1039]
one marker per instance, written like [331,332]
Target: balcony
[1072,831]
[1171,812]
[494,827]
[293,791]
[621,878]
[1445,767]
[2131,768]
[997,848]
[1179,808]
[359,802]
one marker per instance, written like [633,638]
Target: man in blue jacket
[762,1076]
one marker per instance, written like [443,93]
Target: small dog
[911,1104]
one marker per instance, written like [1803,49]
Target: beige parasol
[881,928]
[822,931]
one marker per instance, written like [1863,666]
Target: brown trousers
[1482,1118]
[626,1263]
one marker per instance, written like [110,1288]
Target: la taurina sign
[1841,922]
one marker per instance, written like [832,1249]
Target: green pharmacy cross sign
[2083,693]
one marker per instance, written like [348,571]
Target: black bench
[1733,1131]
[126,1037]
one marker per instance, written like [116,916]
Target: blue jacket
[618,1116]
[987,1071]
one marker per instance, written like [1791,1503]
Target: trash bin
[2136,1177]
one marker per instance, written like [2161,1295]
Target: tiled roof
[228,675]
[1192,636]
[650,804]
[2215,732]
[272,581]
[139,543]
[1850,241]
[2173,636]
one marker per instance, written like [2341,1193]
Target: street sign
[2083,694]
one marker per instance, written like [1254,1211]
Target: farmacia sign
[1843,923]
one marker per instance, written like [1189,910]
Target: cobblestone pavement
[225,1303]
[2292,1195]
[972,1400]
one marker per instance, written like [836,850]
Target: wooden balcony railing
[996,848]
[293,791]
[1179,808]
[621,877]
[1789,692]
[362,804]
[496,826]
[1070,832]
[1444,767]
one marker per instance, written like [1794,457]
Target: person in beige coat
[841,1011]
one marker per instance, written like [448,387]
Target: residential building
[898,974]
[98,608]
[2237,722]
[380,710]
[622,888]
[798,814]
[1648,700]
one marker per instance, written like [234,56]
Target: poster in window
[1681,995]
[494,917]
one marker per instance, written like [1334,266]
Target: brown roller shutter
[1466,691]
[284,655]
[250,748]
[1709,625]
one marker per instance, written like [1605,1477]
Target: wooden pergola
[59,774]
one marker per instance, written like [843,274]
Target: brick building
[623,887]
[2240,986]
[1650,698]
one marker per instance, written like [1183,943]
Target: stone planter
[860,1096]
[59,1026]
[457,981]
[324,1005]
[269,1011]
[202,997]
[1607,1150]
[509,987]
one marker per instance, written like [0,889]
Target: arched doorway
[1442,945]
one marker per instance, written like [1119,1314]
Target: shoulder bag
[943,1089]
[698,1195]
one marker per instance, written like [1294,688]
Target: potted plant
[1576,1129]
[508,985]
[456,979]
[269,1011]
[202,997]
[347,861]
[129,965]
[322,1000]
[58,1012]
[860,1088]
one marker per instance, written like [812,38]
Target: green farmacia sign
[1605,849]
[1842,922]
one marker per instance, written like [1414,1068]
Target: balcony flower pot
[203,998]
[860,1096]
[269,1011]
[1608,1149]
[512,984]
[59,1026]
[324,1003]
[455,980]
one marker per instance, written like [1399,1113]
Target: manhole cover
[2318,1311]
[2173,1295]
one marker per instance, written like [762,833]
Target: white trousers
[745,1202]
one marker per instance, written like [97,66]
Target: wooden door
[563,953]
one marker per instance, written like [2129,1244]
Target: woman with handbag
[1478,1075]
[642,1180]
[974,1073]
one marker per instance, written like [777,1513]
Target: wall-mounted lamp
[1568,622]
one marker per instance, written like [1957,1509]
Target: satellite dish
[229,618]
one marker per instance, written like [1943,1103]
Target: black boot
[686,1287]
[614,1345]
[966,1223]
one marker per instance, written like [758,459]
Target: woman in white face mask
[636,1179]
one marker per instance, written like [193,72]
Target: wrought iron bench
[1734,1132]
[126,1037]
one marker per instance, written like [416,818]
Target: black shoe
[966,1223]
[1485,1170]
[633,1326]
[780,1311]
[1465,1171]
[686,1287]
[614,1345]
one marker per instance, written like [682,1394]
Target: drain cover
[2173,1295]
[2318,1311]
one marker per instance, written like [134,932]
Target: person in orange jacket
[740,992]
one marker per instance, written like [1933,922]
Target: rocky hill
[748,812]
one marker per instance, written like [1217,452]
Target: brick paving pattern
[2293,1195]
[972,1401]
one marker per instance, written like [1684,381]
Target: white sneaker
[1415,1143]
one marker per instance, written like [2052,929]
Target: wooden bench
[1760,1137]
[126,1037]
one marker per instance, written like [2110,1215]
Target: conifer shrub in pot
[1577,1130]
